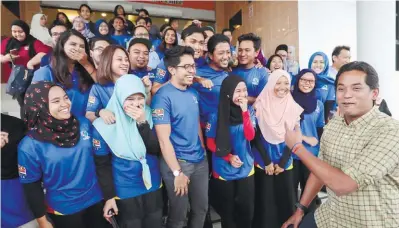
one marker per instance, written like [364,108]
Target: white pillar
[376,46]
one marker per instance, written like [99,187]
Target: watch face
[176,173]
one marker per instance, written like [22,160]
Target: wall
[323,25]
[275,22]
[27,10]
[6,19]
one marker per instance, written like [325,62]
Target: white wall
[322,25]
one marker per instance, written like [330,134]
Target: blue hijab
[97,32]
[123,137]
[322,78]
[307,101]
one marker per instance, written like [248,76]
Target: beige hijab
[272,112]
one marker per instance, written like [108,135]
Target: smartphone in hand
[14,52]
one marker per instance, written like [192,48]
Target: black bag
[19,80]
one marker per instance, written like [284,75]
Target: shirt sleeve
[162,75]
[40,47]
[320,117]
[42,74]
[262,81]
[100,147]
[29,166]
[93,104]
[210,128]
[379,158]
[161,109]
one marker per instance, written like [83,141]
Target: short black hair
[371,74]
[172,19]
[116,10]
[85,5]
[283,47]
[117,17]
[143,10]
[141,18]
[337,50]
[215,40]
[191,30]
[56,23]
[172,56]
[148,20]
[269,61]
[134,41]
[94,40]
[256,40]
[226,30]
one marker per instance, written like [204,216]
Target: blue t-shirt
[179,108]
[155,42]
[240,146]
[161,53]
[127,174]
[68,174]
[255,79]
[309,126]
[77,97]
[209,98]
[46,59]
[99,96]
[325,93]
[144,72]
[121,39]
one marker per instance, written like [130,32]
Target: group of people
[106,137]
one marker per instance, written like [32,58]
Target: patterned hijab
[41,124]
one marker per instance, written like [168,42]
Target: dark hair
[143,41]
[337,50]
[371,73]
[283,47]
[141,18]
[256,40]
[104,71]
[139,26]
[172,56]
[215,40]
[163,27]
[172,19]
[116,10]
[148,20]
[208,28]
[226,30]
[271,59]
[68,23]
[162,46]
[85,5]
[190,30]
[54,24]
[118,17]
[59,63]
[94,40]
[143,10]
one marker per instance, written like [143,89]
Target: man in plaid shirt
[359,160]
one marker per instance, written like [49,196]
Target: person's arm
[313,186]
[201,136]
[5,58]
[35,60]
[168,152]
[328,107]
[91,116]
[251,100]
[249,130]
[35,198]
[210,134]
[155,87]
[257,143]
[150,140]
[211,144]
[285,157]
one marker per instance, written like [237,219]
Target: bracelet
[302,207]
[97,113]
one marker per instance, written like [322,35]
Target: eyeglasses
[99,49]
[188,67]
[306,81]
[142,35]
[56,33]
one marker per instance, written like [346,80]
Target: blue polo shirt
[122,40]
[179,108]
[255,79]
[144,72]
[68,174]
[99,96]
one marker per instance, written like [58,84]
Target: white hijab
[39,32]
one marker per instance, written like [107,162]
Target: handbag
[19,80]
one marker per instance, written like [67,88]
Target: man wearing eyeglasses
[97,46]
[184,166]
[56,29]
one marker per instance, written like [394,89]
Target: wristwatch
[176,173]
[300,206]
[97,113]
[139,123]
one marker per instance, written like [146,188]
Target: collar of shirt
[363,120]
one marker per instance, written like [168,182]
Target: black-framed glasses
[306,81]
[188,67]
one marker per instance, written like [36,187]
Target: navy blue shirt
[46,59]
[127,174]
[144,72]
[121,39]
[179,108]
[255,79]
[78,98]
[68,174]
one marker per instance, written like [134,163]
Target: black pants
[91,217]
[143,211]
[234,201]
[274,198]
[301,175]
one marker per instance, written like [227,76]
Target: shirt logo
[161,72]
[92,100]
[158,113]
[22,171]
[151,75]
[96,144]
[26,48]
[208,127]
[325,87]
[195,99]
[255,81]
[85,135]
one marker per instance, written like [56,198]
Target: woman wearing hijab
[102,29]
[22,48]
[325,89]
[232,186]
[126,158]
[312,123]
[292,64]
[80,26]
[62,17]
[15,211]
[39,30]
[57,152]
[275,195]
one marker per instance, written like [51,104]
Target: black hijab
[307,101]
[29,39]
[229,114]
[42,126]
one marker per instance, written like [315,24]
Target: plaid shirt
[367,150]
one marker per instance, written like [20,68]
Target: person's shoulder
[262,70]
[84,122]
[165,90]
[44,73]
[387,124]
[27,144]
